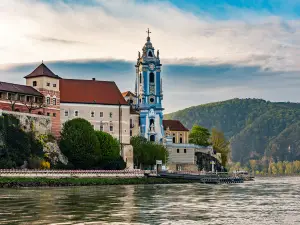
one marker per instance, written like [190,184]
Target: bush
[80,144]
[115,164]
[7,163]
[45,165]
[34,163]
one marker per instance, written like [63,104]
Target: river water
[264,201]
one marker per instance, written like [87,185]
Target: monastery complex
[123,115]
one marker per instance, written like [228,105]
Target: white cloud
[33,31]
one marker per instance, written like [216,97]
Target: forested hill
[255,127]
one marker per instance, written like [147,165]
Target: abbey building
[123,115]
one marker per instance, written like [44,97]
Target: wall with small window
[47,83]
[182,154]
[105,118]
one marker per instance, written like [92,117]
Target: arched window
[150,54]
[152,138]
[54,101]
[151,78]
[48,100]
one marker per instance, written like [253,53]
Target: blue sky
[211,50]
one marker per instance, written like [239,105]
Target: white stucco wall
[84,111]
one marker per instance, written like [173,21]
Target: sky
[211,50]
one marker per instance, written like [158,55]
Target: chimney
[94,78]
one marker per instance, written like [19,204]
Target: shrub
[45,165]
[34,163]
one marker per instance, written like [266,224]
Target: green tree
[17,145]
[280,169]
[138,143]
[108,145]
[199,136]
[253,165]
[274,169]
[289,168]
[146,153]
[79,143]
[220,144]
[296,165]
[109,157]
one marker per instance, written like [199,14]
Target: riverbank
[16,182]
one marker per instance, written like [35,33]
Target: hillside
[255,127]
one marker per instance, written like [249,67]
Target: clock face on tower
[151,66]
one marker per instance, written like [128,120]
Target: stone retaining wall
[73,173]
[41,124]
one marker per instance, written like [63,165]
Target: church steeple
[149,92]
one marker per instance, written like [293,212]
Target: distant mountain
[256,128]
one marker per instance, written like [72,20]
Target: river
[263,201]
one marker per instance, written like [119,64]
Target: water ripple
[265,201]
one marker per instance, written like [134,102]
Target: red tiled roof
[42,70]
[90,92]
[127,93]
[18,88]
[174,125]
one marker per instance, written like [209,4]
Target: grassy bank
[14,182]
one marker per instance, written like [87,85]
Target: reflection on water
[265,201]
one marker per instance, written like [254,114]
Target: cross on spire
[148,32]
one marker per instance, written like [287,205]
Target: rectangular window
[48,114]
[48,100]
[76,113]
[110,115]
[34,83]
[92,114]
[54,101]
[48,84]
[111,128]
[177,150]
[66,113]
[28,98]
[93,126]
[54,114]
[180,140]
[174,139]
[184,150]
[130,133]
[54,85]
[101,127]
[101,114]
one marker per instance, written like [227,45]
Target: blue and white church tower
[148,92]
